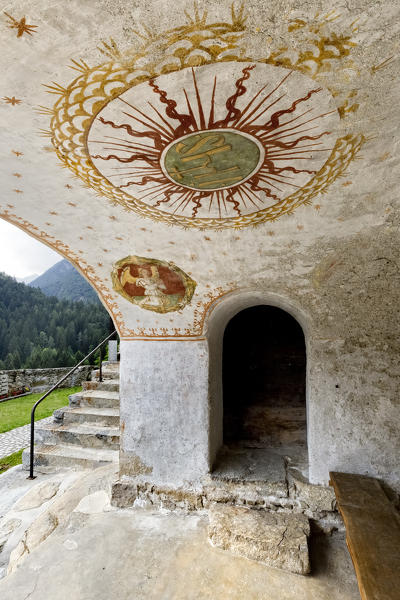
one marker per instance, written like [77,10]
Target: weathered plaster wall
[352,353]
[356,295]
[164,411]
[332,258]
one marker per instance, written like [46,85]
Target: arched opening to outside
[264,381]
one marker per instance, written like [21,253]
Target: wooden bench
[372,534]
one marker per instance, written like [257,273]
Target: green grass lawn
[17,412]
[10,461]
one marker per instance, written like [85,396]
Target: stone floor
[98,551]
[248,463]
[17,438]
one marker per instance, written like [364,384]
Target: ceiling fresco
[224,142]
[217,144]
[242,143]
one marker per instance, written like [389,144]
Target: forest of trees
[38,331]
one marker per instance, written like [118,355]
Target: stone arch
[83,268]
[218,317]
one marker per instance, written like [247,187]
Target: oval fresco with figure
[152,284]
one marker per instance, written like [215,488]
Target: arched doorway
[264,380]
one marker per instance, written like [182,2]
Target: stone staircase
[84,434]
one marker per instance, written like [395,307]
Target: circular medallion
[217,142]
[214,159]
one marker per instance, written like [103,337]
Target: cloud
[21,255]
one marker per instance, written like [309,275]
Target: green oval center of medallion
[211,160]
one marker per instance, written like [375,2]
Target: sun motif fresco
[152,284]
[215,141]
[205,136]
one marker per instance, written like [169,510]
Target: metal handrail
[55,386]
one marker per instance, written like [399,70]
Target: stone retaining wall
[3,383]
[40,380]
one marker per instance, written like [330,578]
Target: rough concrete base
[31,510]
[273,539]
[75,545]
[143,555]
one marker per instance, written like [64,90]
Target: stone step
[106,417]
[96,398]
[108,385]
[110,371]
[74,457]
[78,434]
[247,476]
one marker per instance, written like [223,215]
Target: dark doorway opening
[264,380]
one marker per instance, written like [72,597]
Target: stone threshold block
[273,539]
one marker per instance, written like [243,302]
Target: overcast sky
[21,255]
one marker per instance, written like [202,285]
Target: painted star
[17,153]
[21,26]
[12,100]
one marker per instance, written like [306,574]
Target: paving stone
[312,498]
[38,495]
[35,535]
[94,503]
[18,438]
[6,530]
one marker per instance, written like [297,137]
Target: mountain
[27,279]
[38,331]
[63,281]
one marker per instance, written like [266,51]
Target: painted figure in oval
[152,284]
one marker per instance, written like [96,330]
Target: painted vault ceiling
[177,152]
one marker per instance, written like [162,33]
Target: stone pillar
[164,410]
[112,351]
